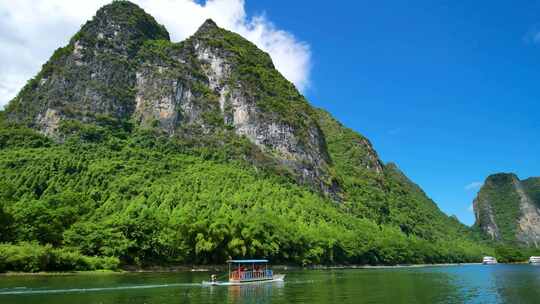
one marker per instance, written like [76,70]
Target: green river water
[452,284]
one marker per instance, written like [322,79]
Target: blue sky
[449,90]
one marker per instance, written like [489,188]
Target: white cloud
[536,37]
[473,186]
[30,30]
[471,208]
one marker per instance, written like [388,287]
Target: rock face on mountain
[93,75]
[508,209]
[121,64]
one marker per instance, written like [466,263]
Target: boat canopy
[246,261]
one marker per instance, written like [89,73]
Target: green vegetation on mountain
[380,192]
[148,199]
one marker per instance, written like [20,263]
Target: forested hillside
[197,152]
[149,199]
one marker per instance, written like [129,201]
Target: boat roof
[247,261]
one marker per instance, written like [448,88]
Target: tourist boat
[247,272]
[534,260]
[489,260]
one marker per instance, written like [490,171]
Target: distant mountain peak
[501,178]
[122,26]
[209,30]
[208,25]
[119,4]
[123,13]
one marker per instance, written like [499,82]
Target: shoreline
[221,268]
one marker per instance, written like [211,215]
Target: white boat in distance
[534,260]
[487,260]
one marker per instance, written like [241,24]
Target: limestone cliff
[507,209]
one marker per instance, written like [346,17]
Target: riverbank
[391,266]
[213,268]
[65,273]
[220,268]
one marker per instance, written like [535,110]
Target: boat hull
[534,260]
[275,278]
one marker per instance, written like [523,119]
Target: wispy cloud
[536,37]
[473,186]
[394,131]
[30,30]
[533,35]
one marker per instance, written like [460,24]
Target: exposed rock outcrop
[483,213]
[506,209]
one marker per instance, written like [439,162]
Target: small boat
[489,260]
[247,272]
[534,260]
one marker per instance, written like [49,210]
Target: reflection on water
[456,284]
[253,293]
[514,284]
